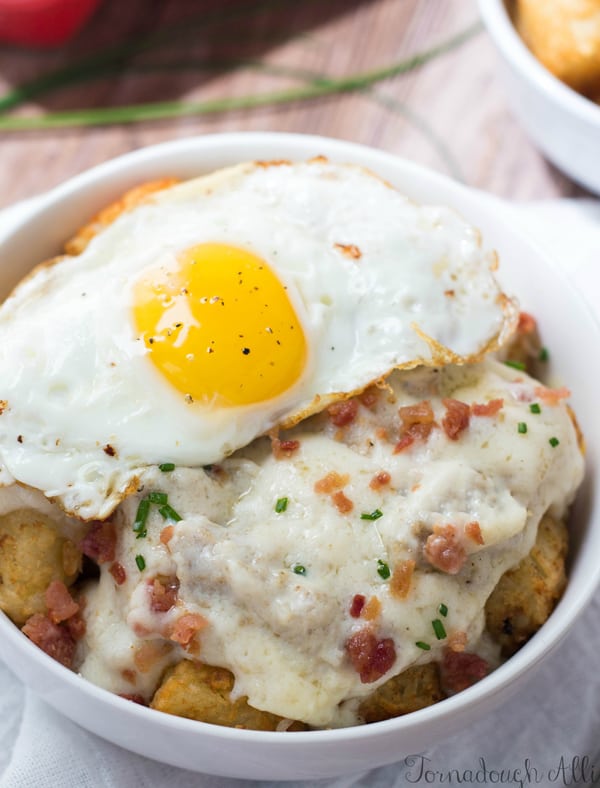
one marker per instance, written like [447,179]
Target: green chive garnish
[281,505]
[438,628]
[516,365]
[158,497]
[443,610]
[522,427]
[141,516]
[169,513]
[141,562]
[424,646]
[299,569]
[383,569]
[374,515]
[165,467]
[554,442]
[535,408]
[544,355]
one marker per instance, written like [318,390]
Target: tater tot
[412,689]
[32,554]
[202,692]
[564,35]
[527,594]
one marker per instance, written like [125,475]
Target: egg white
[85,410]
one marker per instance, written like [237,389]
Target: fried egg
[222,308]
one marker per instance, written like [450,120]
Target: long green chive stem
[172,109]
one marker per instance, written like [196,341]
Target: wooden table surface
[450,113]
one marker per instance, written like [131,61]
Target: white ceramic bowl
[565,125]
[251,754]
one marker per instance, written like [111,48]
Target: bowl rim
[498,681]
[501,29]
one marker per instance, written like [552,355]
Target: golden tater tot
[564,35]
[412,689]
[32,555]
[527,594]
[202,692]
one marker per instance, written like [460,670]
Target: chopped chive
[142,534]
[165,467]
[554,442]
[298,569]
[438,628]
[443,610]
[158,497]
[281,505]
[544,355]
[169,513]
[516,365]
[141,516]
[141,562]
[374,515]
[424,646]
[535,408]
[383,569]
[522,427]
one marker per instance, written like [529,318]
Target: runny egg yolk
[220,327]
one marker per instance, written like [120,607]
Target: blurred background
[82,81]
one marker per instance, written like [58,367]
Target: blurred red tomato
[43,22]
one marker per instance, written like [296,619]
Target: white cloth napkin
[41,749]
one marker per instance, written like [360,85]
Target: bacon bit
[118,572]
[473,531]
[369,397]
[76,626]
[417,423]
[401,579]
[343,413]
[358,602]
[3,406]
[371,658]
[342,503]
[382,434]
[444,551]
[381,479]
[186,627]
[59,602]
[149,653]
[52,638]
[372,610]
[100,542]
[108,449]
[167,534]
[490,408]
[283,449]
[129,675]
[552,396]
[417,419]
[456,419]
[459,670]
[133,698]
[403,443]
[449,293]
[349,250]
[333,481]
[457,641]
[527,323]
[163,593]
